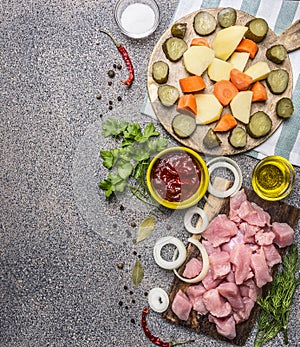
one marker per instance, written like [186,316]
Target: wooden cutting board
[290,38]
[279,212]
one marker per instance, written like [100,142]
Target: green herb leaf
[124,170]
[145,228]
[137,273]
[108,158]
[275,306]
[111,127]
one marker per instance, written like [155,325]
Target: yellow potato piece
[258,71]
[209,108]
[226,40]
[219,70]
[240,106]
[197,58]
[239,60]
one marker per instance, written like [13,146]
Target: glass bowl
[201,186]
[273,178]
[137,18]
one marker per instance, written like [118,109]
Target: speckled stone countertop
[60,240]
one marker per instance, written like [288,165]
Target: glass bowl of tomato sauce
[177,177]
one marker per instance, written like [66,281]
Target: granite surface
[60,240]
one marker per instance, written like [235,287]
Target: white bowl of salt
[137,18]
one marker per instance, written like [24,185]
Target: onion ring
[158,300]
[188,220]
[169,265]
[205,260]
[224,162]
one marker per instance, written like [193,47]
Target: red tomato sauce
[176,176]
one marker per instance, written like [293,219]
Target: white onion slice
[188,220]
[158,300]
[174,264]
[228,163]
[205,261]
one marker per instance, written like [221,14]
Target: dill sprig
[276,305]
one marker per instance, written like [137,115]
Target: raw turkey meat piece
[284,234]
[216,304]
[225,326]
[263,238]
[219,264]
[230,291]
[181,305]
[272,255]
[192,268]
[260,268]
[234,204]
[240,257]
[220,230]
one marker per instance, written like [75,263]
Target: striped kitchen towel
[279,14]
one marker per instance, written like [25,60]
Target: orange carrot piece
[192,84]
[259,92]
[187,104]
[199,41]
[225,91]
[240,79]
[225,123]
[248,46]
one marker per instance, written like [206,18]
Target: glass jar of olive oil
[273,178]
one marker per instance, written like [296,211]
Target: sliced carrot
[225,91]
[187,104]
[199,41]
[248,46]
[240,79]
[192,84]
[225,123]
[259,92]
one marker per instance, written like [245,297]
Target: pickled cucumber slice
[183,125]
[178,30]
[211,139]
[227,17]
[160,72]
[168,94]
[260,124]
[277,54]
[238,137]
[257,29]
[284,108]
[174,47]
[278,81]
[204,23]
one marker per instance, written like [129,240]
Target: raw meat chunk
[181,305]
[272,255]
[219,264]
[230,291]
[234,204]
[220,230]
[225,326]
[192,268]
[263,238]
[216,304]
[240,257]
[284,234]
[253,214]
[260,268]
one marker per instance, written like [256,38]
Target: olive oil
[273,178]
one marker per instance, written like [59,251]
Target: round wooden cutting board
[177,71]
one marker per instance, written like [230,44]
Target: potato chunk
[209,108]
[226,41]
[197,58]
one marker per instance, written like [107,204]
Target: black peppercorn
[111,73]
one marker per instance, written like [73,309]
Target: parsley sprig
[275,307]
[129,161]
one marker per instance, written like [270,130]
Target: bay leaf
[145,228]
[137,273]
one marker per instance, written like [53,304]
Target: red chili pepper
[156,340]
[125,57]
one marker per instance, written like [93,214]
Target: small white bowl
[137,18]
